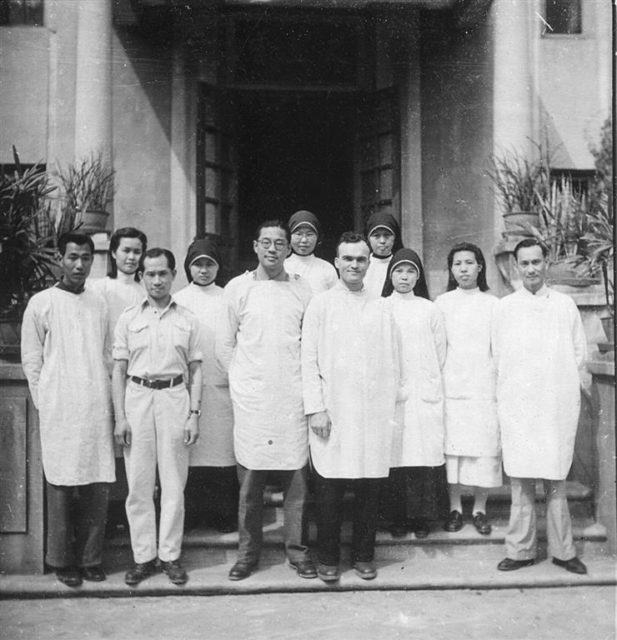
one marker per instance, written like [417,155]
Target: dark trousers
[415,493]
[329,494]
[211,496]
[76,524]
[250,512]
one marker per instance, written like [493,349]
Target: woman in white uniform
[384,237]
[121,288]
[416,474]
[473,451]
[212,486]
[305,236]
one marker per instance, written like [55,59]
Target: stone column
[514,99]
[93,99]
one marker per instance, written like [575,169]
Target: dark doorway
[295,151]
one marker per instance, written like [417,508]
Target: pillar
[93,100]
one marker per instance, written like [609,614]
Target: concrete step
[434,569]
[580,500]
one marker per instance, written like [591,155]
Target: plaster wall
[574,86]
[141,79]
[24,88]
[457,201]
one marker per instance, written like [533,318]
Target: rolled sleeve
[195,354]
[120,349]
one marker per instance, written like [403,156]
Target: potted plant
[520,184]
[27,246]
[88,189]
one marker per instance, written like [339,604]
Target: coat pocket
[431,389]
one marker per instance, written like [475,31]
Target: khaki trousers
[521,538]
[157,419]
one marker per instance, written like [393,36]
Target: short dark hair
[277,223]
[76,238]
[477,252]
[530,242]
[114,243]
[157,252]
[351,237]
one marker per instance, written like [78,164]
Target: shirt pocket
[180,335]
[430,387]
[137,336]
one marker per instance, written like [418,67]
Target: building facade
[217,114]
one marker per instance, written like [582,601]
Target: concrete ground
[577,613]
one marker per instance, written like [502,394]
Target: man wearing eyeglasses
[260,347]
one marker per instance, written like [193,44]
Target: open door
[377,176]
[217,188]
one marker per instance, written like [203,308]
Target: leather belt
[157,384]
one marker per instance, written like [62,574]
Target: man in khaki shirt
[156,349]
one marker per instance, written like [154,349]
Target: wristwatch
[196,412]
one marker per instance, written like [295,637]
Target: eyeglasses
[309,235]
[266,243]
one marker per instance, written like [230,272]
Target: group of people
[356,380]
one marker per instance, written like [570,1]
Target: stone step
[434,569]
[590,540]
[580,500]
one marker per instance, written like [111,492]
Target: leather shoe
[93,574]
[328,572]
[507,564]
[139,572]
[454,522]
[481,524]
[242,570]
[175,571]
[69,576]
[365,570]
[573,565]
[420,528]
[304,568]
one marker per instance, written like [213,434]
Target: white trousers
[521,538]
[157,419]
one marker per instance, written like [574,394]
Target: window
[563,16]
[581,179]
[21,12]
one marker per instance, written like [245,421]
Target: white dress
[419,434]
[376,275]
[321,275]
[472,431]
[539,348]
[119,294]
[215,445]
[260,346]
[65,354]
[351,368]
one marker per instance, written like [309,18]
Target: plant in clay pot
[88,189]
[520,185]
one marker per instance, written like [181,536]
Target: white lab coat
[65,348]
[539,348]
[351,368]
[469,374]
[215,445]
[419,433]
[260,345]
[321,275]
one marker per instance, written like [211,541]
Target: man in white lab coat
[539,348]
[351,375]
[65,352]
[260,347]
